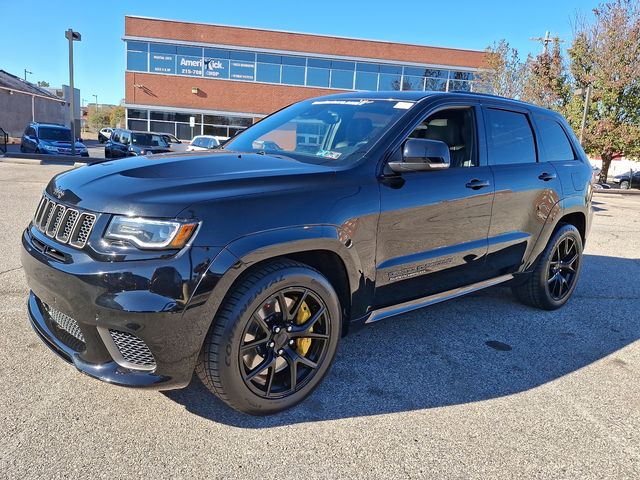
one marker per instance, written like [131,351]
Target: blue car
[49,138]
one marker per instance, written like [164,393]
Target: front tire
[624,185]
[555,277]
[273,340]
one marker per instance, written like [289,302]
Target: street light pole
[587,100]
[72,37]
[96,97]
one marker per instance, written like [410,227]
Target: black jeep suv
[248,264]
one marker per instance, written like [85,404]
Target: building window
[268,72]
[289,69]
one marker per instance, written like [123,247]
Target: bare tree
[503,73]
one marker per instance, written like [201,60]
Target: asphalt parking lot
[424,395]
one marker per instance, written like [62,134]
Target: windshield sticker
[342,102]
[328,154]
[403,105]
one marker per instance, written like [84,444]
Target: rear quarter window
[555,142]
[510,138]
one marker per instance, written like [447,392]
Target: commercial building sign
[216,68]
[243,70]
[191,66]
[162,63]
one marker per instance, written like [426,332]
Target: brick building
[222,78]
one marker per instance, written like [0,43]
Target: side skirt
[436,298]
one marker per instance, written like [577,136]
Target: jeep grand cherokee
[248,264]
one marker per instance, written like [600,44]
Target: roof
[7,80]
[415,96]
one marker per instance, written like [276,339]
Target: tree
[116,116]
[606,55]
[42,83]
[547,81]
[503,73]
[99,119]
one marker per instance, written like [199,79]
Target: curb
[37,161]
[46,158]
[616,191]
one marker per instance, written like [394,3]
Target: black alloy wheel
[555,276]
[563,268]
[273,339]
[285,341]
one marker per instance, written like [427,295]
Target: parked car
[174,143]
[248,264]
[128,143]
[626,181]
[201,143]
[50,138]
[104,134]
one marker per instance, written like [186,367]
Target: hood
[62,143]
[164,185]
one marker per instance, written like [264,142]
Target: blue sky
[33,37]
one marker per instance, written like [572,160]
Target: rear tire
[624,185]
[555,277]
[284,355]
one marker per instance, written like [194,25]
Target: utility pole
[25,74]
[96,97]
[546,40]
[587,100]
[72,37]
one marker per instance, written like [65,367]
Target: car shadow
[472,349]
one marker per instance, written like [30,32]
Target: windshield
[148,139]
[339,131]
[53,134]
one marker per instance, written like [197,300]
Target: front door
[432,233]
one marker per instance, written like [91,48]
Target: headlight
[151,234]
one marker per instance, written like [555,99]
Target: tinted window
[268,72]
[509,137]
[54,134]
[555,142]
[366,81]
[292,75]
[137,61]
[457,129]
[318,77]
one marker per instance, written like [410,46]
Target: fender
[565,206]
[244,252]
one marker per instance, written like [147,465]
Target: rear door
[527,188]
[433,226]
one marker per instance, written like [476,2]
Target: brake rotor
[303,344]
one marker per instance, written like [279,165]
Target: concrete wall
[16,111]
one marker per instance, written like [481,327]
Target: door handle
[476,184]
[547,176]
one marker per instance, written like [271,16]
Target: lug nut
[292,342]
[277,329]
[271,344]
[289,328]
[281,352]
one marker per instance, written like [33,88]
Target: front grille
[69,331]
[133,350]
[67,225]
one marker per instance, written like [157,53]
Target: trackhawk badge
[58,193]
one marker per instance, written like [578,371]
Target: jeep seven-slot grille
[65,224]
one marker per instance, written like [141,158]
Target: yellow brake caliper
[303,344]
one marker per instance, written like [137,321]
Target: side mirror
[421,154]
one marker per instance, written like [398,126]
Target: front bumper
[147,300]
